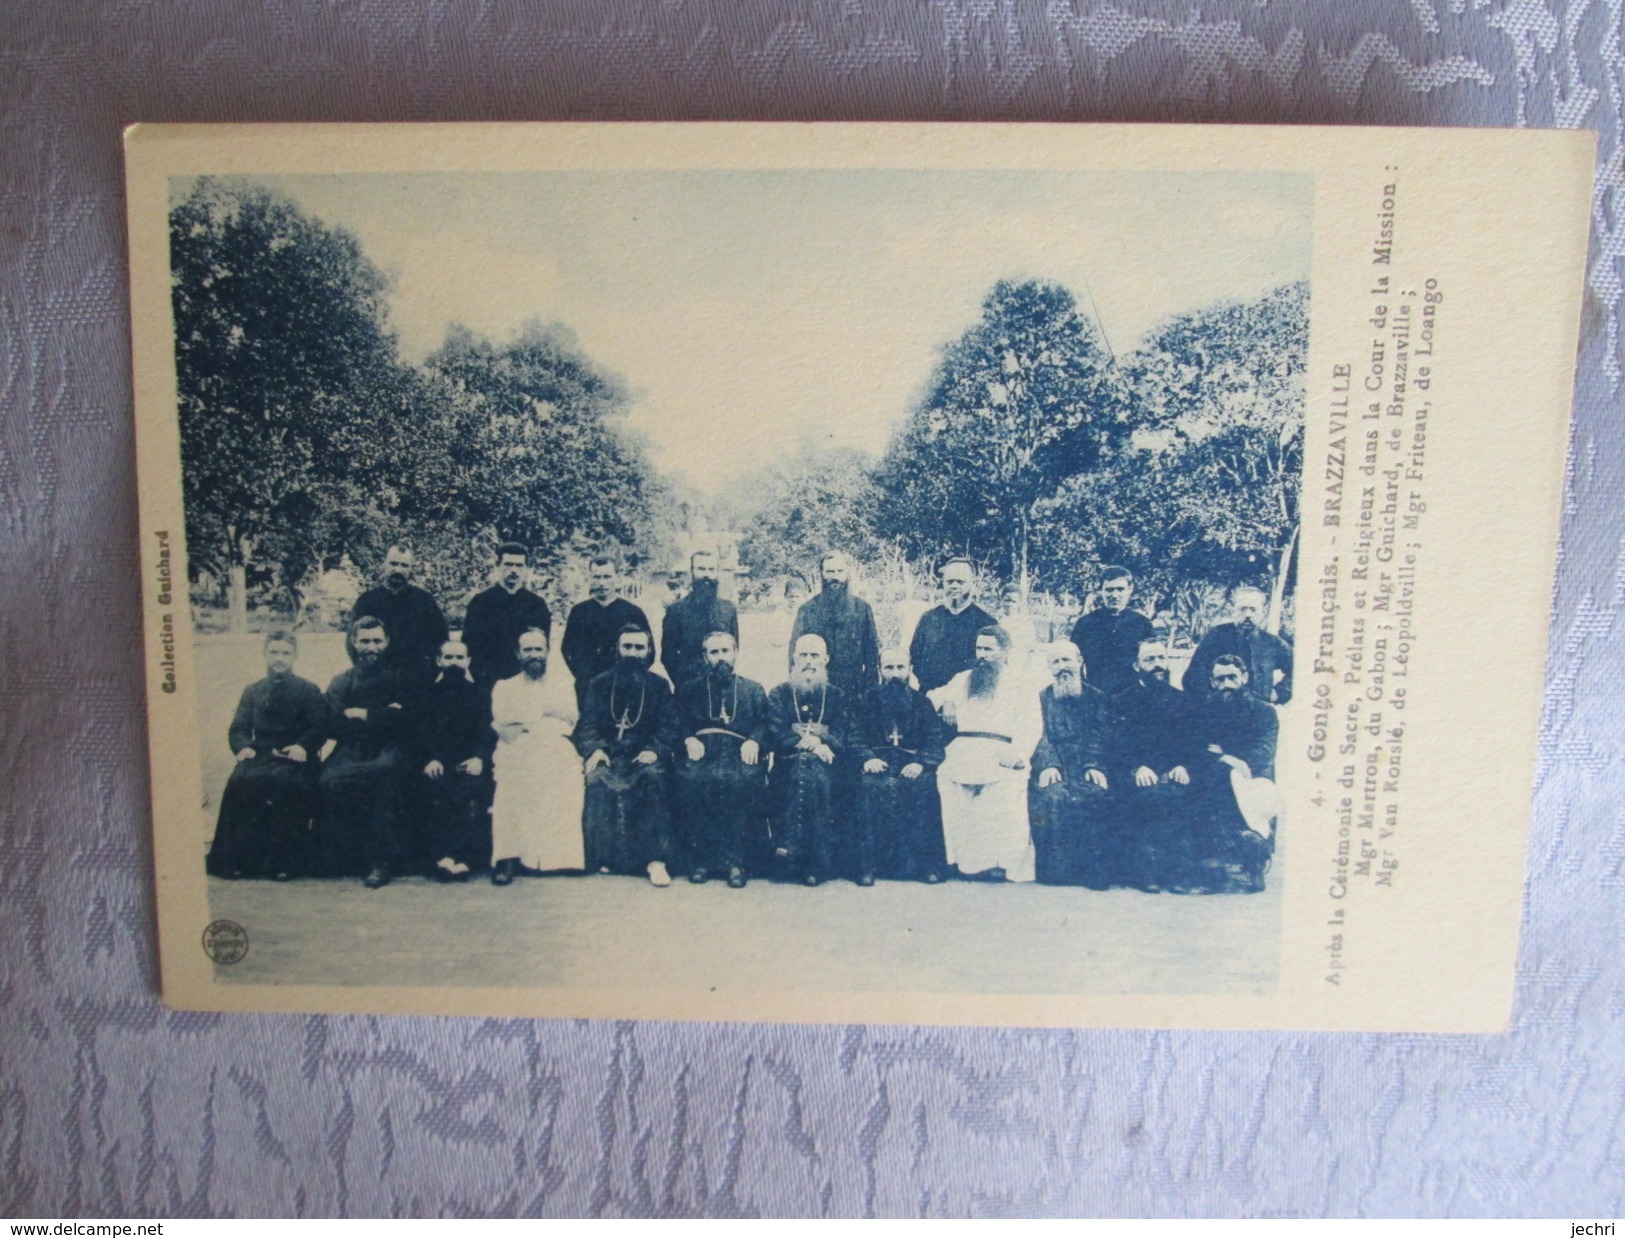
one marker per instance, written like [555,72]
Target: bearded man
[1075,831]
[496,617]
[264,823]
[808,730]
[691,619]
[625,740]
[360,826]
[536,811]
[413,619]
[1265,657]
[945,638]
[1232,776]
[983,778]
[454,744]
[722,718]
[900,745]
[1149,755]
[845,624]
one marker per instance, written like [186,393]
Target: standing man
[625,741]
[264,823]
[412,618]
[593,629]
[536,812]
[360,827]
[808,726]
[497,615]
[1233,777]
[1109,636]
[691,619]
[846,626]
[1266,657]
[722,719]
[983,778]
[1148,758]
[945,638]
[1074,830]
[899,817]
[454,744]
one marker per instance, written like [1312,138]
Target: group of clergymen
[946,759]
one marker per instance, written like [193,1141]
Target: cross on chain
[623,725]
[725,716]
[896,738]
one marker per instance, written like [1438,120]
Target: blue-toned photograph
[831,580]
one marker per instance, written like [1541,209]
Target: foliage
[820,500]
[281,353]
[1024,399]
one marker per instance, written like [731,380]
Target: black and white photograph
[743,572]
[851,575]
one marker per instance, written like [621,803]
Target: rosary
[625,722]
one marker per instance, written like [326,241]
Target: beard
[984,678]
[627,666]
[811,677]
[721,672]
[1247,626]
[395,581]
[1068,683]
[894,691]
[703,588]
[1155,676]
[836,589]
[534,667]
[1227,695]
[368,660]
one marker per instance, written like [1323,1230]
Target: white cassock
[536,813]
[984,801]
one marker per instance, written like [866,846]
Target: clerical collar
[949,607]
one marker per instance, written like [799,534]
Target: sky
[754,312]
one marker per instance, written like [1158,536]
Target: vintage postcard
[1035,575]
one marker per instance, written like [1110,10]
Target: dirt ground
[611,931]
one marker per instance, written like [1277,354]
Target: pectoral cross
[725,716]
[623,725]
[895,738]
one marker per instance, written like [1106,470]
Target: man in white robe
[983,779]
[536,814]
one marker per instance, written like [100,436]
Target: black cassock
[414,624]
[1151,729]
[359,823]
[1076,835]
[625,820]
[804,790]
[719,796]
[264,824]
[1225,856]
[592,636]
[492,627]
[899,819]
[453,726]
[687,623]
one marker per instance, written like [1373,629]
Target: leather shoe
[378,877]
[502,874]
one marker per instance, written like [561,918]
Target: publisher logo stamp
[225,941]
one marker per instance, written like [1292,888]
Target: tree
[1221,392]
[1023,400]
[283,360]
[538,450]
[791,514]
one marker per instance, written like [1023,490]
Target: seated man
[807,731]
[722,717]
[1148,755]
[454,743]
[625,740]
[1232,775]
[264,823]
[536,807]
[983,778]
[900,744]
[369,715]
[1075,831]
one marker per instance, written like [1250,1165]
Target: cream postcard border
[1498,218]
